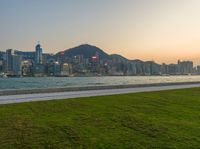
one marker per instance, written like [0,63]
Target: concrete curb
[54,90]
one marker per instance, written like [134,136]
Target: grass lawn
[163,119]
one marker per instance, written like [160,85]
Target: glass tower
[38,54]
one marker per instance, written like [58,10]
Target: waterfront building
[1,66]
[198,69]
[65,69]
[95,64]
[173,69]
[56,69]
[27,68]
[46,58]
[2,61]
[50,68]
[25,55]
[155,68]
[13,63]
[147,68]
[139,66]
[53,68]
[132,68]
[185,67]
[164,69]
[39,70]
[16,68]
[2,55]
[38,54]
[9,60]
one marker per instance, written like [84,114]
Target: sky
[159,30]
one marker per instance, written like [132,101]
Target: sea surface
[61,82]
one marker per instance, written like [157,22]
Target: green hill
[87,51]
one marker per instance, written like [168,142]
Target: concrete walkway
[74,94]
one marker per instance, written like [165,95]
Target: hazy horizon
[163,31]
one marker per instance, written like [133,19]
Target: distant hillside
[119,57]
[137,61]
[87,51]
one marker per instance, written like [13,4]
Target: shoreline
[89,88]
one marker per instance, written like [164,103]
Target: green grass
[164,119]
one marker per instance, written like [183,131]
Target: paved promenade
[7,99]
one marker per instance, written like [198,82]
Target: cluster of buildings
[37,63]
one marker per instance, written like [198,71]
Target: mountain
[137,61]
[87,51]
[118,57]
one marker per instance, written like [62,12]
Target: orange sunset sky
[160,30]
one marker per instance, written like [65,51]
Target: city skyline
[85,60]
[164,31]
[57,52]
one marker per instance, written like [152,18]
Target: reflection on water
[56,82]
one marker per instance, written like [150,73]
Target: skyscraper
[9,60]
[38,54]
[16,66]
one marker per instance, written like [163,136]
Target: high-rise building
[39,70]
[65,69]
[27,68]
[198,70]
[173,69]
[2,55]
[38,54]
[185,67]
[25,55]
[13,63]
[1,66]
[2,61]
[9,60]
[16,66]
[164,69]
